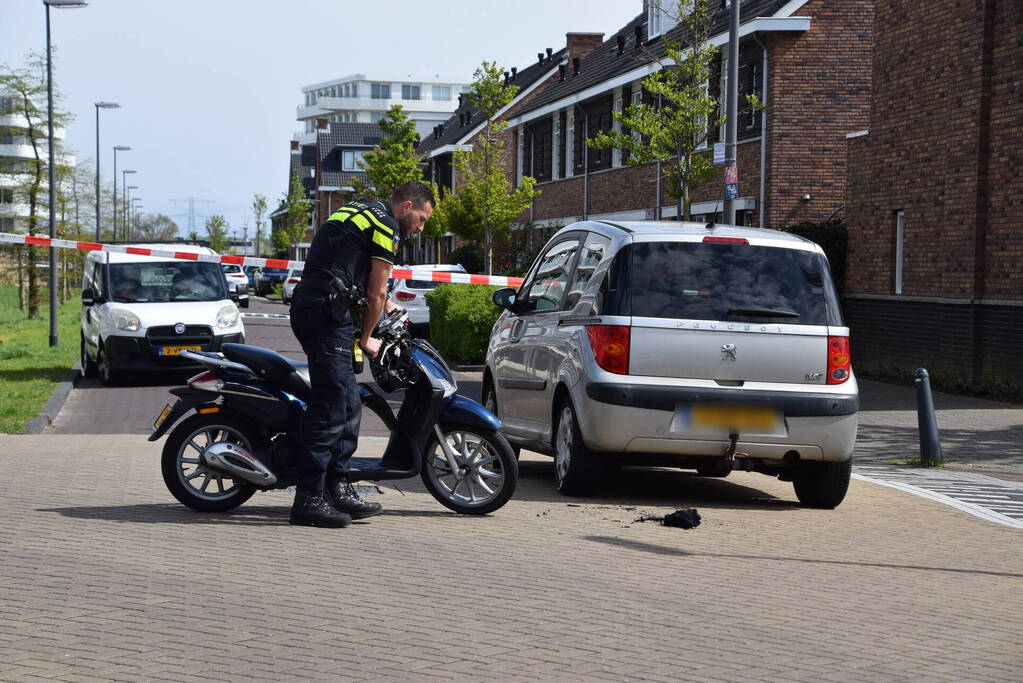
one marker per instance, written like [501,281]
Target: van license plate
[162,416]
[176,350]
[726,417]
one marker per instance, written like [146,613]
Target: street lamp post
[117,148]
[53,189]
[124,211]
[134,217]
[127,204]
[100,105]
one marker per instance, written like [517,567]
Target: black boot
[343,496]
[313,508]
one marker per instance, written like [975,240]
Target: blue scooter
[245,407]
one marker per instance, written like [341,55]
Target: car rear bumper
[816,426]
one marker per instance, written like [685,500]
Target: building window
[442,92]
[410,92]
[8,105]
[659,18]
[597,118]
[538,150]
[6,195]
[375,116]
[380,91]
[350,160]
[900,232]
[6,223]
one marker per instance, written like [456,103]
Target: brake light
[206,381]
[726,240]
[610,344]
[404,296]
[839,361]
[293,280]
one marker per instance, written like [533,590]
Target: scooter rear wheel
[188,479]
[487,470]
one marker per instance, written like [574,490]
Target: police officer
[352,253]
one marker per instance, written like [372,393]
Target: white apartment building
[361,99]
[16,158]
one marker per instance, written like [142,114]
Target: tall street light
[100,105]
[127,204]
[53,189]
[117,148]
[124,223]
[135,217]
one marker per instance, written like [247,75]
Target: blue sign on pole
[731,190]
[719,153]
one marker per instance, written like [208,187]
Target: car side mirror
[88,297]
[506,297]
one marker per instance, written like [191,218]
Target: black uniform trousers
[330,424]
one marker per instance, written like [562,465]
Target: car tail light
[610,344]
[293,280]
[726,240]
[206,381]
[839,362]
[404,296]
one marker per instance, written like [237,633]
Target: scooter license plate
[162,416]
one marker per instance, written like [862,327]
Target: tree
[393,161]
[486,192]
[26,87]
[216,230]
[296,220]
[259,212]
[158,228]
[675,125]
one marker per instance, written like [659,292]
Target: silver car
[677,344]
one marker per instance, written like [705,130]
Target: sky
[208,88]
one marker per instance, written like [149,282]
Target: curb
[49,411]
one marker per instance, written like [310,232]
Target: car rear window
[422,284]
[714,281]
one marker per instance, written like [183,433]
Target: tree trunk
[486,248]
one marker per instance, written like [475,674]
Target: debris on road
[688,518]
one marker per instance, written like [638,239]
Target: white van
[140,312]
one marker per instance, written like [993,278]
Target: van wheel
[822,484]
[577,469]
[490,403]
[106,374]
[88,364]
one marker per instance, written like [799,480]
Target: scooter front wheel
[485,473]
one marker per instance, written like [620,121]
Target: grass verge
[29,369]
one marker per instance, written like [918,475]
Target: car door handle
[518,329]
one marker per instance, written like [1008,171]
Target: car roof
[446,267]
[669,229]
[117,257]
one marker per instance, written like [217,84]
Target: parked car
[250,271]
[237,284]
[265,279]
[294,277]
[140,312]
[678,344]
[411,294]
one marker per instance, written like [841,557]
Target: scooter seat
[290,375]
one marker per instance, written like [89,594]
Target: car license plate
[727,418]
[176,350]
[162,416]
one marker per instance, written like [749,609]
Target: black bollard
[930,446]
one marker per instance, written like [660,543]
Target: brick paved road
[104,576]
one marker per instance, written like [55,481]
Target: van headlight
[227,317]
[126,320]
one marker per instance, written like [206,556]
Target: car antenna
[710,226]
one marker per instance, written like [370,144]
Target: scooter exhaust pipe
[235,461]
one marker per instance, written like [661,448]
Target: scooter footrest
[360,469]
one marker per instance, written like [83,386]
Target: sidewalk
[105,576]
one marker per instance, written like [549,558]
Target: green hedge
[833,236]
[461,317]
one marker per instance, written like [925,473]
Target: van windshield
[742,282]
[151,282]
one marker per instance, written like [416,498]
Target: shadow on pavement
[984,448]
[667,550]
[650,486]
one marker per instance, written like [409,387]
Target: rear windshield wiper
[764,312]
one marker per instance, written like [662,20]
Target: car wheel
[822,484]
[106,374]
[490,403]
[577,470]
[244,303]
[88,364]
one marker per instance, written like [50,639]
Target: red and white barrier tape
[397,273]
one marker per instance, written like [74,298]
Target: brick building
[808,60]
[935,193]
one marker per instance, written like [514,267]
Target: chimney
[539,58]
[639,36]
[575,66]
[621,44]
[582,44]
[550,53]
[515,72]
[561,72]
